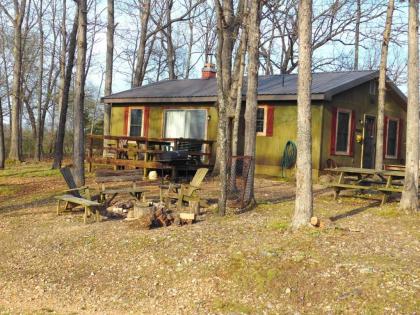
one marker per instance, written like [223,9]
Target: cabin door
[369,142]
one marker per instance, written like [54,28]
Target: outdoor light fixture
[208,117]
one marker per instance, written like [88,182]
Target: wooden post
[146,156]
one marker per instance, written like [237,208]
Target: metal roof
[270,88]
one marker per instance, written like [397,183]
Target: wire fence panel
[238,173]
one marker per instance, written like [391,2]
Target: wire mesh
[238,188]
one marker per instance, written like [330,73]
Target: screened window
[186,124]
[261,120]
[392,138]
[343,132]
[136,122]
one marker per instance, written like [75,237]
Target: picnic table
[367,179]
[105,177]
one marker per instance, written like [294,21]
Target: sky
[121,78]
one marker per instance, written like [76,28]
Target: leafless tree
[253,30]
[409,198]
[109,64]
[304,198]
[79,97]
[379,159]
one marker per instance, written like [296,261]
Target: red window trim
[268,121]
[398,138]
[352,127]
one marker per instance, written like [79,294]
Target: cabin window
[136,122]
[392,132]
[190,123]
[261,121]
[343,131]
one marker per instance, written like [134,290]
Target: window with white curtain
[189,123]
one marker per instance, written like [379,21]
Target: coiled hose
[289,156]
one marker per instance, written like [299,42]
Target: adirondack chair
[184,192]
[77,196]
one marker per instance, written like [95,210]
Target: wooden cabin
[344,109]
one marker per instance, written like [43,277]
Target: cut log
[187,216]
[315,221]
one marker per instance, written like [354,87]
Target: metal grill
[238,173]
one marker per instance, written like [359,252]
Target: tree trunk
[379,160]
[79,93]
[64,97]
[15,134]
[238,106]
[222,117]
[252,94]
[38,142]
[141,51]
[357,35]
[109,66]
[409,198]
[170,44]
[2,146]
[303,203]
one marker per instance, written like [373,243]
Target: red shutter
[385,135]
[400,134]
[333,130]
[126,114]
[352,132]
[146,122]
[270,121]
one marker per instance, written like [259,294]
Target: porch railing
[144,153]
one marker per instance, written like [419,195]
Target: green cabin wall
[359,100]
[269,150]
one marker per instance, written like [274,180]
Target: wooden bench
[91,207]
[106,177]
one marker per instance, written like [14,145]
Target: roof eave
[204,99]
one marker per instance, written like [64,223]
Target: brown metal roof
[270,88]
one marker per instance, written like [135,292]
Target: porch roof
[270,88]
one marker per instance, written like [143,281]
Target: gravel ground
[365,262]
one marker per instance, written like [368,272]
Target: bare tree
[109,64]
[409,198]
[357,34]
[65,89]
[38,141]
[227,29]
[304,199]
[2,146]
[79,95]
[17,21]
[252,92]
[379,159]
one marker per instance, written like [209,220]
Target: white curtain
[174,124]
[185,124]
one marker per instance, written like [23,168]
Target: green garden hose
[289,156]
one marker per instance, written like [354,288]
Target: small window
[136,122]
[342,145]
[261,120]
[392,131]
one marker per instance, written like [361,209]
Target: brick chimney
[209,71]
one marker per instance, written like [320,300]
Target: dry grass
[366,263]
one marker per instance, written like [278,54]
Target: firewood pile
[153,215]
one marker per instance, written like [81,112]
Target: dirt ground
[365,262]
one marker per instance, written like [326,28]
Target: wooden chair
[184,192]
[77,196]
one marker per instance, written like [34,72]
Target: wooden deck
[144,153]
